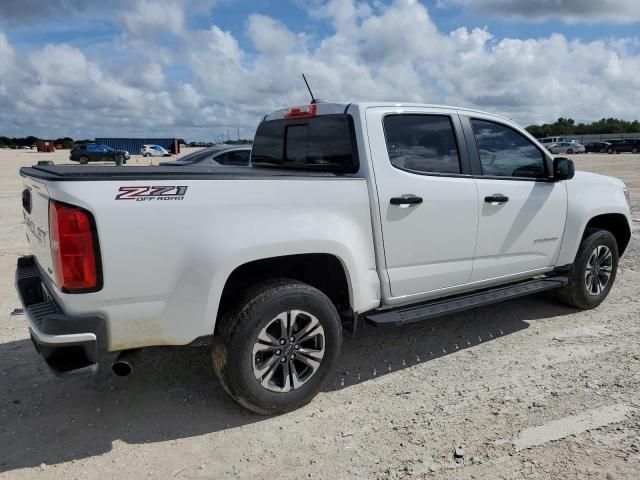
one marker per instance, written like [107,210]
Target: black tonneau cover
[85,173]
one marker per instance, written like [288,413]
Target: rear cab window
[319,143]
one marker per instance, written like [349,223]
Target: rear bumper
[69,345]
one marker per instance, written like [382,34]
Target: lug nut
[292,356]
[278,352]
[292,339]
[296,346]
[282,341]
[284,359]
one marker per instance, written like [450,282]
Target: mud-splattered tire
[275,351]
[594,271]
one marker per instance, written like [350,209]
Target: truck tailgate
[35,208]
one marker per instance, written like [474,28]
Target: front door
[521,212]
[427,199]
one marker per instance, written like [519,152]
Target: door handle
[496,198]
[405,200]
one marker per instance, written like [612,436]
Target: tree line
[19,142]
[568,126]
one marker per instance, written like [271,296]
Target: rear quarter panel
[165,263]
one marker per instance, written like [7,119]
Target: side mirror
[563,168]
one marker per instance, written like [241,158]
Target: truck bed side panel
[166,260]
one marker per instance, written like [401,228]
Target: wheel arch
[616,223]
[326,272]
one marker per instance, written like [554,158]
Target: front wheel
[594,270]
[276,350]
[634,150]
[609,150]
[570,151]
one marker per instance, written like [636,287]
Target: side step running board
[426,311]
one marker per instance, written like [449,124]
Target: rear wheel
[594,270]
[275,351]
[146,155]
[570,151]
[83,160]
[609,150]
[634,150]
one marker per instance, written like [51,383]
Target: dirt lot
[529,389]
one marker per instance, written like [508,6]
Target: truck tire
[276,350]
[83,160]
[594,271]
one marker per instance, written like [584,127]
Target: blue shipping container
[134,145]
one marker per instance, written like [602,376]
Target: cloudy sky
[196,68]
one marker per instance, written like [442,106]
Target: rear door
[427,198]
[92,153]
[521,213]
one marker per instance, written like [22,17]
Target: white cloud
[7,55]
[376,52]
[571,11]
[62,65]
[269,35]
[155,18]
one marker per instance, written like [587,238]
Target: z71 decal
[145,194]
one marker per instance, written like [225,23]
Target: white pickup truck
[389,213]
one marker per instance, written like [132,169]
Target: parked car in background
[154,151]
[630,145]
[566,147]
[237,156]
[93,152]
[596,147]
[547,141]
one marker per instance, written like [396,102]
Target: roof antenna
[313,99]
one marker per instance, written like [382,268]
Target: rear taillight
[74,248]
[303,111]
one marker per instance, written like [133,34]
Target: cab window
[505,152]
[422,143]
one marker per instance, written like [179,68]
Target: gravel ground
[526,389]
